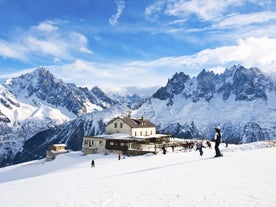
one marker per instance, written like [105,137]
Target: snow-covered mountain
[41,86]
[242,101]
[34,104]
[38,110]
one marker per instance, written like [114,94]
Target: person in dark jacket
[92,163]
[217,141]
[199,146]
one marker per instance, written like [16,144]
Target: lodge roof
[135,123]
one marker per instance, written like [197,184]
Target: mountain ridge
[237,99]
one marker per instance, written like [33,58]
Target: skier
[199,147]
[119,156]
[92,163]
[217,141]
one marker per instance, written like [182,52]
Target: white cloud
[80,38]
[238,20]
[155,9]
[12,50]
[15,74]
[250,52]
[56,60]
[81,68]
[47,26]
[120,7]
[205,10]
[54,47]
[85,50]
[44,39]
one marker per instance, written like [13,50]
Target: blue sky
[123,43]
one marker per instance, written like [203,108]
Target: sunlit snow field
[244,176]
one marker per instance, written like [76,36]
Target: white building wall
[118,126]
[136,132]
[92,145]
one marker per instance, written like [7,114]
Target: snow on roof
[59,145]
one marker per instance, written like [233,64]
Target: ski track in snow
[245,176]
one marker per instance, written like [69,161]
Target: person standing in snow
[172,148]
[164,150]
[92,163]
[226,143]
[199,146]
[217,141]
[119,156]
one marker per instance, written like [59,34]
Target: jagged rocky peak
[248,84]
[37,81]
[45,78]
[244,84]
[206,85]
[41,84]
[174,86]
[96,91]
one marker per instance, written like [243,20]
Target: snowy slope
[245,176]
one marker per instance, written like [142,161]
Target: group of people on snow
[217,139]
[199,146]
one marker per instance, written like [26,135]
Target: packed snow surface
[244,176]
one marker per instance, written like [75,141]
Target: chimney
[142,119]
[129,114]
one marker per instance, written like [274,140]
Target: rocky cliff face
[244,84]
